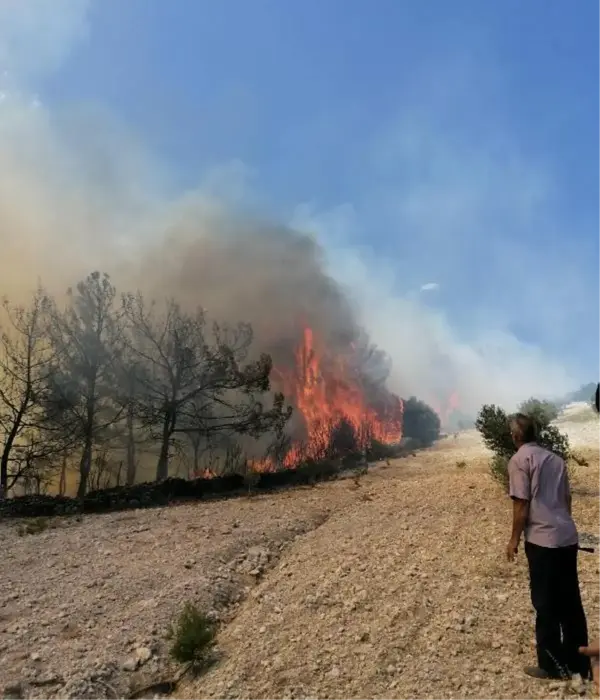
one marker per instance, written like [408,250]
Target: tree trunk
[131,464]
[85,466]
[196,459]
[162,468]
[62,484]
[8,445]
[4,470]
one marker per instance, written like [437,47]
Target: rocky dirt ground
[391,586]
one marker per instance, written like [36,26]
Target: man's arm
[520,493]
[520,515]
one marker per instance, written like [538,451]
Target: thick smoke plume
[79,192]
[273,277]
[268,275]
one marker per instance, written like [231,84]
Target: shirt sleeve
[519,485]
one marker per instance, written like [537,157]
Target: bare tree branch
[192,386]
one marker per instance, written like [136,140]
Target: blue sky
[449,144]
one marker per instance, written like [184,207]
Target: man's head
[523,429]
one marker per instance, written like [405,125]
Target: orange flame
[327,398]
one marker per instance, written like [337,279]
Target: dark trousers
[560,625]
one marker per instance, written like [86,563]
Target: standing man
[539,489]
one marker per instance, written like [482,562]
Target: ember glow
[328,394]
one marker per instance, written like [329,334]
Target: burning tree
[191,385]
[342,406]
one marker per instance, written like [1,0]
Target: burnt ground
[390,586]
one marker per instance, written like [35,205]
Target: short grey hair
[523,428]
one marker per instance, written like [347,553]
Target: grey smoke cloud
[78,191]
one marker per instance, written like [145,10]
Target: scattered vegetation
[493,425]
[33,527]
[379,451]
[193,637]
[579,459]
[161,493]
[461,464]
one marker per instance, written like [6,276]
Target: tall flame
[327,394]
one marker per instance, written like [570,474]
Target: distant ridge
[586,392]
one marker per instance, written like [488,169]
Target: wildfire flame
[446,409]
[327,394]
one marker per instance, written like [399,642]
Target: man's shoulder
[529,456]
[533,449]
[520,458]
[536,455]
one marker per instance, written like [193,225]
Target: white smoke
[78,191]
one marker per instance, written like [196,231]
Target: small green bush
[33,527]
[493,425]
[499,470]
[193,636]
[378,451]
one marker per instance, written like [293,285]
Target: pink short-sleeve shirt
[540,477]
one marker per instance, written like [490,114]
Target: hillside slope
[390,586]
[405,594]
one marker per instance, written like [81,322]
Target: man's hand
[593,651]
[511,549]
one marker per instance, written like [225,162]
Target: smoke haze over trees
[105,373]
[80,191]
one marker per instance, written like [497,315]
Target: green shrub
[544,412]
[420,422]
[493,425]
[193,636]
[33,527]
[499,470]
[378,451]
